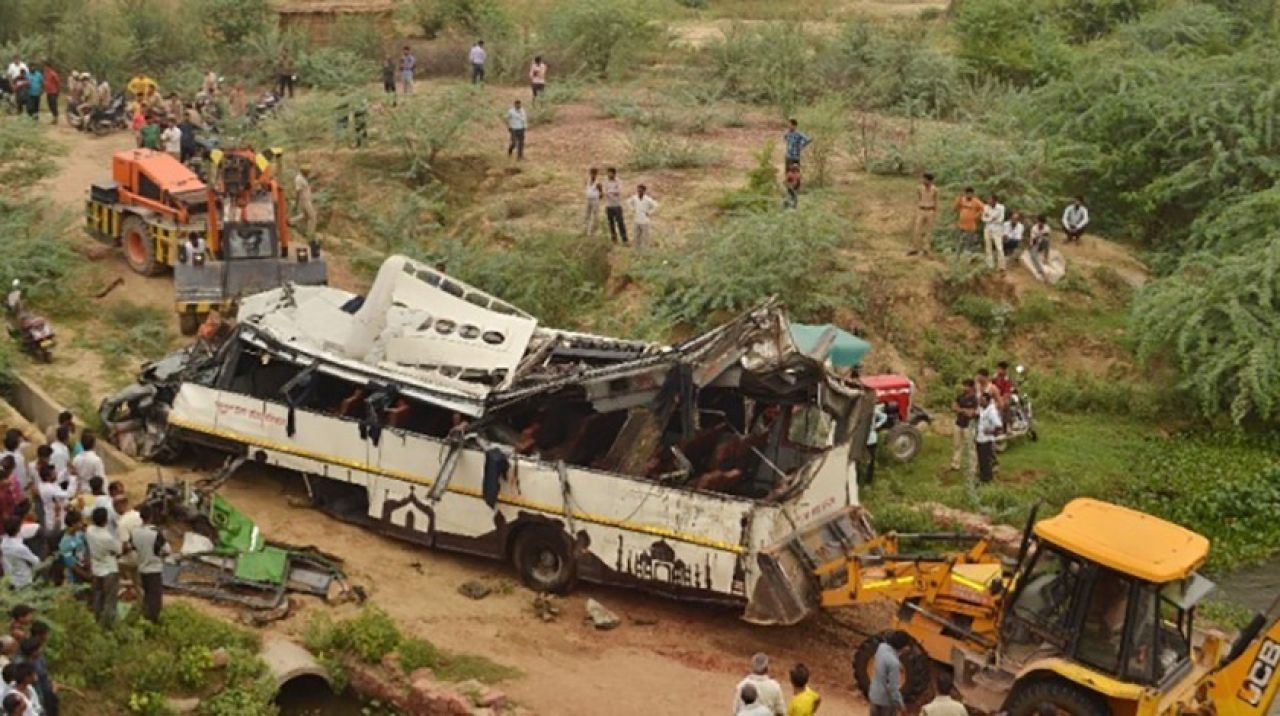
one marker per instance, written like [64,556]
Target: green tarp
[846,352]
[268,565]
[239,536]
[236,532]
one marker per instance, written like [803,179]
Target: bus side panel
[631,531]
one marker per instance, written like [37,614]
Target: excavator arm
[1247,681]
[876,570]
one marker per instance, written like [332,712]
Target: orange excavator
[222,240]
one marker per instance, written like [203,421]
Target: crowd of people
[65,524]
[28,688]
[981,415]
[1004,233]
[759,694]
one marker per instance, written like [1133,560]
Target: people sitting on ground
[1075,219]
[1013,232]
[1039,245]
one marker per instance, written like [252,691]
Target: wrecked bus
[718,469]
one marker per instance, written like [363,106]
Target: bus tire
[543,556]
[917,669]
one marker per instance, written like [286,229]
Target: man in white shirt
[1014,230]
[53,503]
[477,57]
[19,561]
[517,121]
[594,191]
[13,446]
[943,704]
[1075,219]
[993,231]
[171,139]
[87,465]
[642,207]
[15,69]
[151,549]
[768,692]
[104,550]
[989,426]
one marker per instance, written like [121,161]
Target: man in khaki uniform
[305,205]
[926,215]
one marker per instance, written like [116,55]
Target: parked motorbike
[1021,418]
[32,331]
[265,106]
[100,120]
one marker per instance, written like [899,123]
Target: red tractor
[902,436]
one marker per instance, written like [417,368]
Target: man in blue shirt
[795,141]
[885,694]
[34,90]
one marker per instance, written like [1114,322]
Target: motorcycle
[265,106]
[31,330]
[100,120]
[1021,417]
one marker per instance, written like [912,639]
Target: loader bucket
[787,591]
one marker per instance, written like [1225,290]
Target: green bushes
[333,68]
[1149,160]
[371,635]
[993,318]
[1013,40]
[1217,318]
[132,331]
[1223,485]
[424,126]
[557,277]
[649,149]
[732,265]
[598,37]
[891,67]
[768,64]
[137,665]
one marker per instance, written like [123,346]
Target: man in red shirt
[52,85]
[1004,384]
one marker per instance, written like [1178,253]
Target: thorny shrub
[719,271]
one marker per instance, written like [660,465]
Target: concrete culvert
[293,667]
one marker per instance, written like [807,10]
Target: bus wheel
[544,558]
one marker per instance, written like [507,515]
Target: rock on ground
[600,616]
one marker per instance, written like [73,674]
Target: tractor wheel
[1067,698]
[543,556]
[189,322]
[139,247]
[917,669]
[904,442]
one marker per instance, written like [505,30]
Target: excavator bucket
[1246,685]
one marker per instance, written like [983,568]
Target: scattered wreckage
[224,556]
[718,469]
